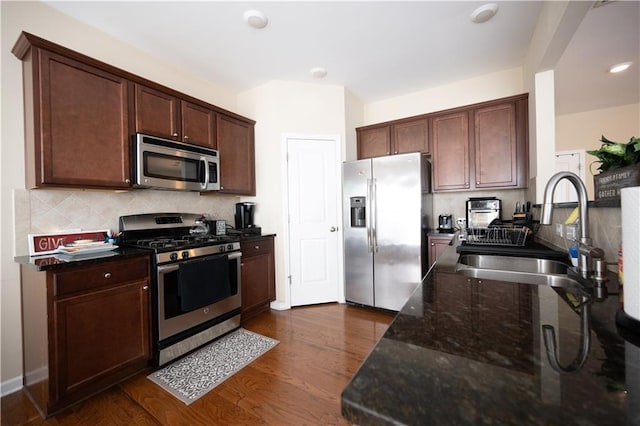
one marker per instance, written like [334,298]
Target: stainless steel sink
[515,264]
[525,270]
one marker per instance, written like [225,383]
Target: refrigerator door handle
[374,218]
[368,216]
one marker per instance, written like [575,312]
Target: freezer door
[397,196]
[358,256]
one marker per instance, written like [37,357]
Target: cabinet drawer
[256,247]
[103,274]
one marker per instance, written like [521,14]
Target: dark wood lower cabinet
[258,276]
[85,329]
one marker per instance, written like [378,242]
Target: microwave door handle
[203,185]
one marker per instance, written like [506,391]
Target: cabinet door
[84,128]
[450,142]
[495,146]
[156,113]
[437,246]
[97,334]
[412,136]
[198,125]
[374,142]
[258,276]
[235,141]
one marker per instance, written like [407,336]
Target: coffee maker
[244,218]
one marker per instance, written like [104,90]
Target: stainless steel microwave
[166,164]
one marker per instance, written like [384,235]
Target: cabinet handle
[433,244]
[175,134]
[477,183]
[186,138]
[257,247]
[127,181]
[146,287]
[107,275]
[395,152]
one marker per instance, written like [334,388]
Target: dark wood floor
[296,383]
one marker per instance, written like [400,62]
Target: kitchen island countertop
[470,351]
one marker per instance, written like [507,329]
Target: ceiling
[375,49]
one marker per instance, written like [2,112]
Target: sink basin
[524,270]
[514,264]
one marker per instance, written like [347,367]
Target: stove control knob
[229,246]
[174,256]
[185,254]
[221,249]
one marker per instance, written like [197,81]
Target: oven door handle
[174,266]
[163,269]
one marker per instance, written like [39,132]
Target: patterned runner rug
[196,374]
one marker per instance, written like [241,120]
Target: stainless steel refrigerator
[387,212]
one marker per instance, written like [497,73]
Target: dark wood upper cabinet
[450,158]
[484,146]
[198,124]
[495,146]
[237,155]
[161,114]
[156,113]
[374,142]
[412,136]
[77,129]
[390,139]
[480,146]
[80,114]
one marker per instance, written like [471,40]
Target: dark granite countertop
[58,261]
[465,351]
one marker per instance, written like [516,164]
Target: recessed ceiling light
[255,18]
[484,13]
[619,67]
[318,72]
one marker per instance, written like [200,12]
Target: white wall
[281,108]
[43,21]
[557,22]
[466,92]
[583,131]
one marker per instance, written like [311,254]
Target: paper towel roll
[630,206]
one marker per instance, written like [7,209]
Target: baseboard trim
[10,386]
[280,306]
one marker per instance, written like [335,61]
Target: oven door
[196,291]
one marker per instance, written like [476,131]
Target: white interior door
[572,161]
[313,178]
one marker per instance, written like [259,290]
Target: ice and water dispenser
[358,212]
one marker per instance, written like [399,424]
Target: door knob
[333,229]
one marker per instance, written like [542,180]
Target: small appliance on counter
[445,224]
[244,219]
[482,211]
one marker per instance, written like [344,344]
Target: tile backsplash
[604,229]
[52,210]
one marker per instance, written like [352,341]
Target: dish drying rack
[502,235]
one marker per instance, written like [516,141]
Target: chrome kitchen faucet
[586,250]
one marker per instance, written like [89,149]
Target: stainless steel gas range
[196,281]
